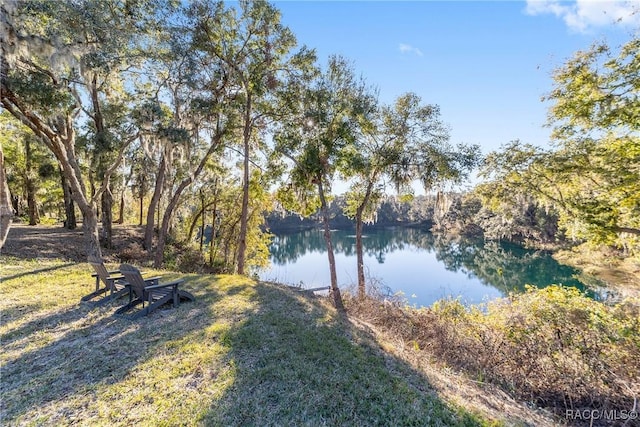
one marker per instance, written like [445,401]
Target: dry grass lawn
[245,353]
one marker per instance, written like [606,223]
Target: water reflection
[422,265]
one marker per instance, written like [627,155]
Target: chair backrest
[101,270]
[133,276]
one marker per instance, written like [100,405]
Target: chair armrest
[152,279]
[110,272]
[164,285]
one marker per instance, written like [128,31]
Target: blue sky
[487,64]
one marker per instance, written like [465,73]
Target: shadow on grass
[241,354]
[38,271]
[74,350]
[300,363]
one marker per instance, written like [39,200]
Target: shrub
[554,347]
[133,252]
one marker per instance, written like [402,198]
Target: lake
[425,267]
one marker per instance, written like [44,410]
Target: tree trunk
[203,219]
[166,220]
[15,204]
[69,207]
[192,226]
[107,218]
[244,214]
[87,208]
[120,219]
[213,243]
[141,208]
[362,291]
[335,290]
[32,206]
[155,199]
[90,231]
[6,210]
[106,198]
[141,194]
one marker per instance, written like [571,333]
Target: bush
[554,347]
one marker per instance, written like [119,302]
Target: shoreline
[621,275]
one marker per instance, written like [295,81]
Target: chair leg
[114,295]
[184,295]
[151,307]
[129,306]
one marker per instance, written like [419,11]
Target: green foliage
[219,195]
[33,170]
[319,136]
[361,203]
[591,177]
[596,91]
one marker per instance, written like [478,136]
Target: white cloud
[406,48]
[582,15]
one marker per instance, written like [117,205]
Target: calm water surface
[423,266]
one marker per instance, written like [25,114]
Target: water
[423,266]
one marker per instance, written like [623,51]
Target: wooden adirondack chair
[114,284]
[150,291]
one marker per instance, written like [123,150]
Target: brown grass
[553,347]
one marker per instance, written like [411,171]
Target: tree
[596,125]
[316,141]
[400,144]
[592,174]
[255,50]
[51,52]
[6,211]
[140,165]
[200,116]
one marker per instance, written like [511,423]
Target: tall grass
[553,347]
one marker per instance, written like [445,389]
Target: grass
[244,353]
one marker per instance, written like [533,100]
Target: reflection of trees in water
[505,266]
[377,243]
[287,248]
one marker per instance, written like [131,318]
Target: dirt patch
[44,241]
